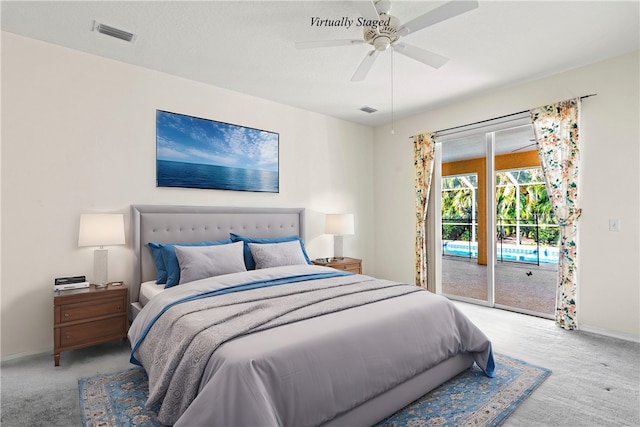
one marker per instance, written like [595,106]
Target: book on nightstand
[74,282]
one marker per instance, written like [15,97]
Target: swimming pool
[506,252]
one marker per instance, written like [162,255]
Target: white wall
[609,278]
[78,135]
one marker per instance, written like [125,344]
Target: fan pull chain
[392,130]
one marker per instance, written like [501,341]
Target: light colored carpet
[595,380]
[35,393]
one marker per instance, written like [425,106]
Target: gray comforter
[317,348]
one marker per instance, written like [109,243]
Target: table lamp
[339,225]
[101,230]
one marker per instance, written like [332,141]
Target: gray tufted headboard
[184,224]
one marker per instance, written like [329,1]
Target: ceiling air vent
[114,32]
[368,109]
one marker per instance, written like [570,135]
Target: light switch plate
[614,224]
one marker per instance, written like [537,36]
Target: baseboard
[610,333]
[27,355]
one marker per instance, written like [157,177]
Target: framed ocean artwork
[192,152]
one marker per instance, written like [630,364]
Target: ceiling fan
[384,31]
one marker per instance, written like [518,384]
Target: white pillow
[277,254]
[199,262]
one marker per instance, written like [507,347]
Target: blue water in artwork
[193,175]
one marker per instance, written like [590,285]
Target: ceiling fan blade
[442,13]
[429,58]
[367,9]
[327,43]
[365,66]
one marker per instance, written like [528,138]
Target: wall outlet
[614,224]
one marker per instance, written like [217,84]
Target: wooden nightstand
[352,265]
[89,316]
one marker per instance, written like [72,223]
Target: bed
[286,344]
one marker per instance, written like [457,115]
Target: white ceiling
[249,47]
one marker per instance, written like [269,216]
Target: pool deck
[522,286]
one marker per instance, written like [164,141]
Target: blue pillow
[171,263]
[248,258]
[156,253]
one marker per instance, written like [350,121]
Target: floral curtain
[423,157]
[556,132]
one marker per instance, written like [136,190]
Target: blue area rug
[470,398]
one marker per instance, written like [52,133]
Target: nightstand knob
[118,306]
[66,315]
[68,336]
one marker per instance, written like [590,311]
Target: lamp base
[337,247]
[100,266]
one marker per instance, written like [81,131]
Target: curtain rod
[495,118]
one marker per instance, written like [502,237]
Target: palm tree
[540,205]
[457,200]
[505,204]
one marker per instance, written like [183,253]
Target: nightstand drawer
[111,328]
[73,312]
[352,267]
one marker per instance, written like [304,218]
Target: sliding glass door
[526,245]
[462,201]
[498,235]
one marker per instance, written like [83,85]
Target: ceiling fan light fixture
[385,28]
[381,43]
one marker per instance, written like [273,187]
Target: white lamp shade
[101,230]
[339,224]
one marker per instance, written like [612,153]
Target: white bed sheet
[149,290]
